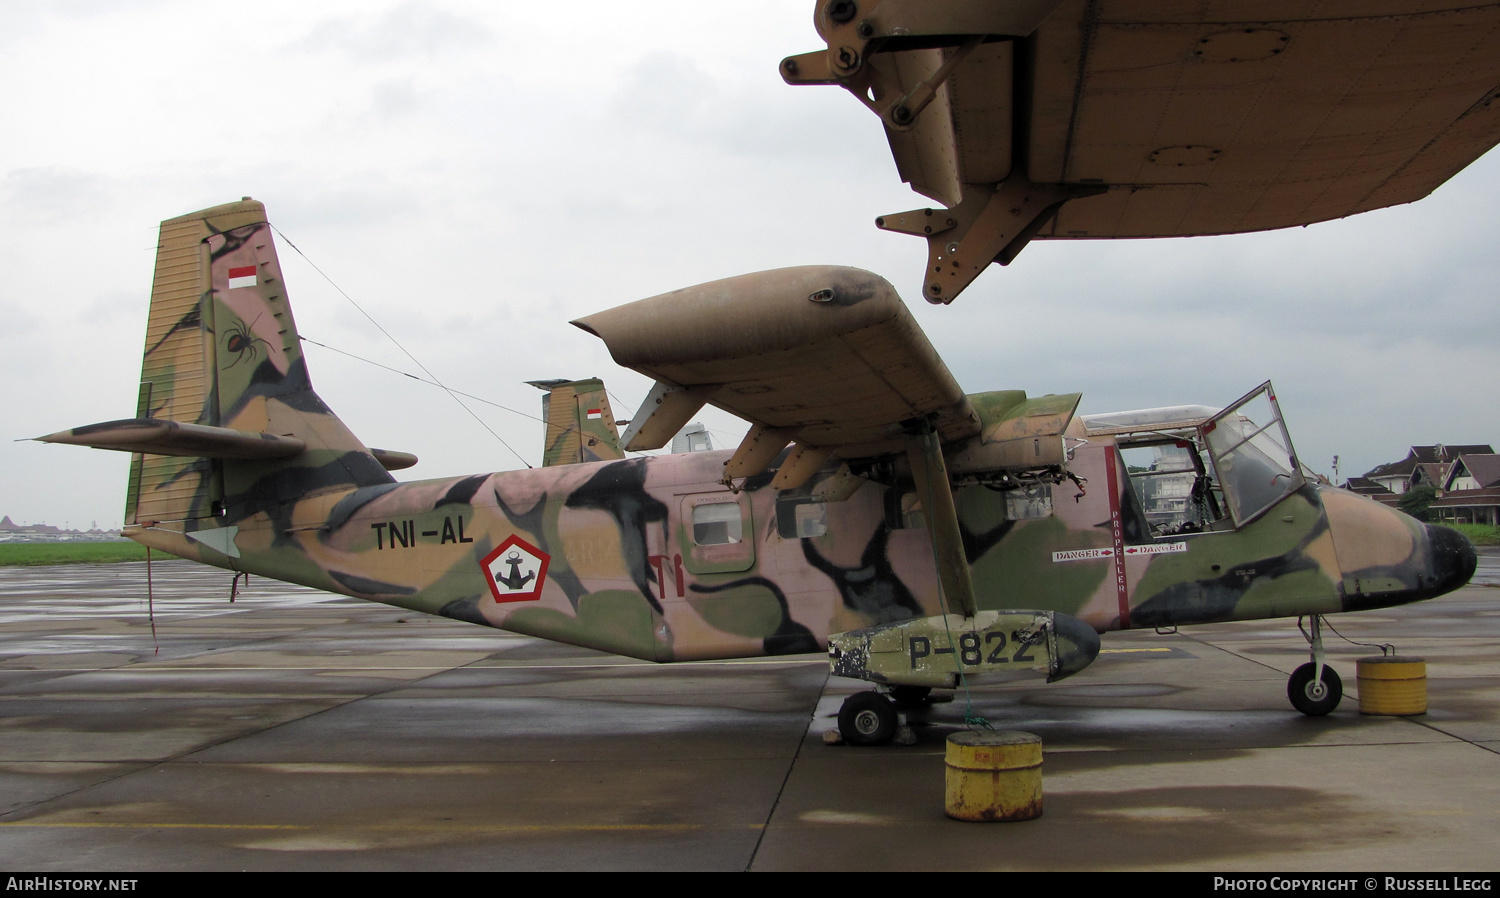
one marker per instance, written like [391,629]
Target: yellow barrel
[1391,685]
[994,776]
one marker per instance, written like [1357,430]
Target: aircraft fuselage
[655,558]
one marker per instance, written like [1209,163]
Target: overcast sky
[476,175]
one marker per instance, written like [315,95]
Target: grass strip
[14,554]
[1479,534]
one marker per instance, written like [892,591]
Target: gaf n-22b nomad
[917,533]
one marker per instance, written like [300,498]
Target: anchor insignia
[514,580]
[516,571]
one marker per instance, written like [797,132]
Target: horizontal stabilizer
[392,460]
[158,437]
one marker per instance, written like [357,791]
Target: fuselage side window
[1029,502]
[800,517]
[717,524]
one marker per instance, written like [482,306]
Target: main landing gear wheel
[1312,697]
[867,718]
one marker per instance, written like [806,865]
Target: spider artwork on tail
[242,342]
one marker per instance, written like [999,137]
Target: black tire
[910,695]
[867,718]
[1308,697]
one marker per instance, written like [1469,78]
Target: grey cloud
[53,194]
[668,93]
[411,29]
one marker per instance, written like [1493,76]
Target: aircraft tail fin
[227,423]
[222,350]
[580,423]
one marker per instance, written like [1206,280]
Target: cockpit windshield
[1253,455]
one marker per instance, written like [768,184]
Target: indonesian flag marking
[595,413]
[242,277]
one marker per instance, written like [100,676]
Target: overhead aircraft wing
[1082,119]
[828,358]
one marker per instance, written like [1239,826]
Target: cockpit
[1195,470]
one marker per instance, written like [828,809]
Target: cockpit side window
[1172,484]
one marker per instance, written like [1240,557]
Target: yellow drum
[994,776]
[1392,686]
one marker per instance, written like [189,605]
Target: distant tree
[1417,500]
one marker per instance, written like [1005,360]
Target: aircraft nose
[1451,558]
[1387,558]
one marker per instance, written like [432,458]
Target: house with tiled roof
[1364,486]
[1473,472]
[1471,491]
[1423,465]
[1429,474]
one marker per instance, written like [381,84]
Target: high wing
[830,359]
[825,357]
[1071,119]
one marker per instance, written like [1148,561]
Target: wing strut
[925,450]
[992,224]
[664,412]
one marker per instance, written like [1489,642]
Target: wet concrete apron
[298,730]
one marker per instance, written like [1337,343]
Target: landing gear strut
[1313,688]
[910,695]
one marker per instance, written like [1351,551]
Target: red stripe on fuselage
[1117,535]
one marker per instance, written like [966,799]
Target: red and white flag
[595,413]
[242,277]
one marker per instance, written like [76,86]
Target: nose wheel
[1312,696]
[1314,688]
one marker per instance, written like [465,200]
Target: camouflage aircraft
[1088,119]
[918,534]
